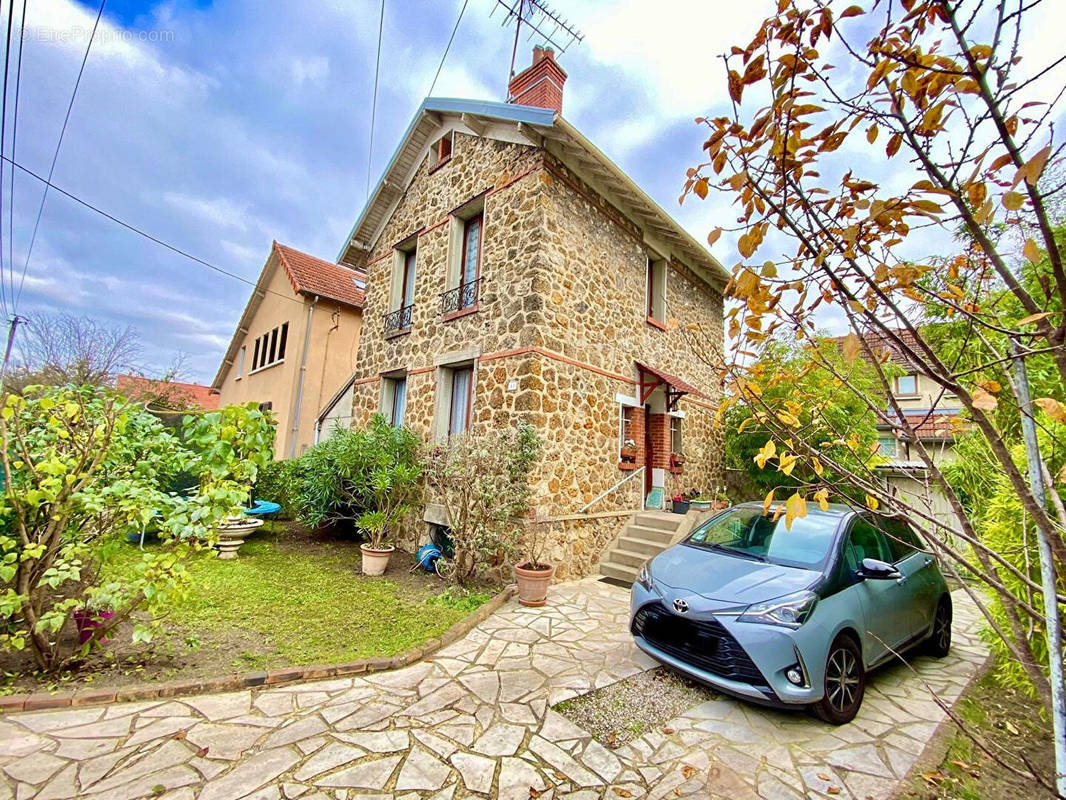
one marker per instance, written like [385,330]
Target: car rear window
[748,533]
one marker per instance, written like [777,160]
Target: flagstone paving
[476,721]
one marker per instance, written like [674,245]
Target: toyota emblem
[681,606]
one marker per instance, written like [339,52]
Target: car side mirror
[878,570]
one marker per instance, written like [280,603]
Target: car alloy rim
[842,679]
[943,628]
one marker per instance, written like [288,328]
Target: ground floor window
[460,400]
[394,398]
[675,437]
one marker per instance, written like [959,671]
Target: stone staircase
[645,535]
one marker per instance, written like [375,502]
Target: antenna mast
[542,21]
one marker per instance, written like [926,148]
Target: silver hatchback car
[791,618]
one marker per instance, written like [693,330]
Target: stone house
[294,344]
[513,271]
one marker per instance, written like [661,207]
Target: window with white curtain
[459,408]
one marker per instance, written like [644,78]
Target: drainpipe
[300,384]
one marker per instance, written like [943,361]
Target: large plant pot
[701,505]
[679,506]
[375,560]
[533,583]
[87,622]
[232,533]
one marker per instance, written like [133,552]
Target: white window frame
[240,360]
[281,340]
[899,392]
[389,384]
[443,401]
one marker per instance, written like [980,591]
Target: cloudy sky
[218,126]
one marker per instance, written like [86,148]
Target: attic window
[441,150]
[270,347]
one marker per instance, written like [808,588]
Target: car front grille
[704,644]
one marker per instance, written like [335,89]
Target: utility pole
[1047,568]
[12,326]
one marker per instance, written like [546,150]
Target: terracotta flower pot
[375,560]
[533,583]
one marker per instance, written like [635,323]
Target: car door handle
[902,579]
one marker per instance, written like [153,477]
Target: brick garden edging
[40,701]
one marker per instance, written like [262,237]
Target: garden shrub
[482,480]
[278,482]
[356,473]
[82,467]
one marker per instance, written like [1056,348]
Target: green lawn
[298,598]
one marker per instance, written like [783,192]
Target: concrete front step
[647,534]
[654,535]
[627,558]
[660,520]
[633,545]
[619,572]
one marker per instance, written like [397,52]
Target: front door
[649,450]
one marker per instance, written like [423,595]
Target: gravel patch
[630,708]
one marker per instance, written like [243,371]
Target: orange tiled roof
[311,275]
[170,392]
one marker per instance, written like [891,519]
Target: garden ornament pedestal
[232,533]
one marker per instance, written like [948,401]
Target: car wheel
[845,682]
[938,644]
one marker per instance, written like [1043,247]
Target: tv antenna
[542,20]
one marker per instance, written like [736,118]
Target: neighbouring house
[514,272]
[931,414]
[165,395]
[295,343]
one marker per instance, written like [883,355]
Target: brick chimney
[540,84]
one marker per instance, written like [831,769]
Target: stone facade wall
[559,325]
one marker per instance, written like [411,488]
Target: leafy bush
[82,467]
[482,479]
[368,477]
[231,444]
[278,481]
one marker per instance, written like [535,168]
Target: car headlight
[790,611]
[644,576]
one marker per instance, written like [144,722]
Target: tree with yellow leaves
[856,132]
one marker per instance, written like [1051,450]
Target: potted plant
[628,453]
[533,576]
[679,504]
[677,460]
[388,490]
[699,501]
[720,500]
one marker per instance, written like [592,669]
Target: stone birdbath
[232,533]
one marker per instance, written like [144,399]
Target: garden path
[476,721]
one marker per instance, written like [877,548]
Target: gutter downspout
[300,384]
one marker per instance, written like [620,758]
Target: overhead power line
[14,154]
[55,158]
[130,227]
[374,102]
[447,48]
[3,149]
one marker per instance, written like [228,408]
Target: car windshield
[748,533]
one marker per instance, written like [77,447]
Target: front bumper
[755,657]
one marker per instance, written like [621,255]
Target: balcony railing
[398,320]
[462,296]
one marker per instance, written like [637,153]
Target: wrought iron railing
[398,320]
[462,296]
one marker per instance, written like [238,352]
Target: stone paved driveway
[475,722]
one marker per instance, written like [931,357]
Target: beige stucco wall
[329,359]
[928,395]
[560,322]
